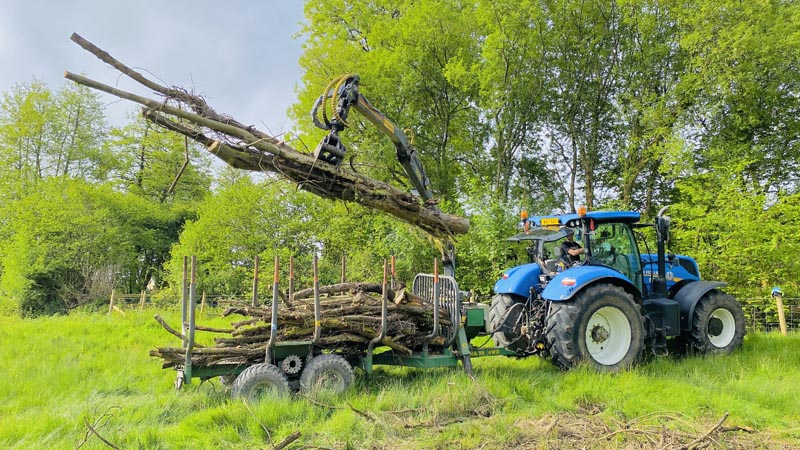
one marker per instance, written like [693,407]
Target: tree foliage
[66,235]
[45,133]
[271,218]
[631,104]
[60,257]
[537,105]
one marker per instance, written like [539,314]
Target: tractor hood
[519,280]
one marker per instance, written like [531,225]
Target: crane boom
[344,94]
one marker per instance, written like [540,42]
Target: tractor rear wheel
[718,324]
[602,326]
[505,324]
[330,374]
[260,380]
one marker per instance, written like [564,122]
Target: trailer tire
[718,325]
[227,380]
[326,374]
[260,380]
[505,313]
[602,326]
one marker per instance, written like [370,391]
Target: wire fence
[762,313]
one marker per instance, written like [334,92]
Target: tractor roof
[598,217]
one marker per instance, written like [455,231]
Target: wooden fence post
[111,302]
[142,300]
[778,295]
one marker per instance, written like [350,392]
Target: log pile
[245,147]
[350,316]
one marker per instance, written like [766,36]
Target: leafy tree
[157,164]
[241,221]
[734,236]
[742,68]
[413,58]
[272,218]
[43,134]
[71,242]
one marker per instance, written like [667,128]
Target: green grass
[60,372]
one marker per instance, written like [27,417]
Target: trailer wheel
[260,380]
[602,326]
[505,325]
[327,374]
[227,380]
[718,324]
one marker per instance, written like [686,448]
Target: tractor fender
[519,280]
[688,296]
[565,285]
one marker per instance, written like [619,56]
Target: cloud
[239,54]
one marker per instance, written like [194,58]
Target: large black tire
[505,313]
[602,326]
[330,374]
[260,380]
[718,325]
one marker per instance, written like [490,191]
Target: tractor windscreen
[539,234]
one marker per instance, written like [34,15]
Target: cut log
[247,148]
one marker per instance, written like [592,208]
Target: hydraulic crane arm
[343,93]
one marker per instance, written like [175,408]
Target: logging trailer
[603,310]
[303,366]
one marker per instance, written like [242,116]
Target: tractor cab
[607,238]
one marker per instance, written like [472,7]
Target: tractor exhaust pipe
[662,237]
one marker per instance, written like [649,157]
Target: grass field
[61,375]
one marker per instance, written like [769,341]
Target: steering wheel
[606,254]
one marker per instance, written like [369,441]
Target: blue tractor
[609,301]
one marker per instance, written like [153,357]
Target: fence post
[111,302]
[255,282]
[203,305]
[778,295]
[142,300]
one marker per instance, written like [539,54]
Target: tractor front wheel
[718,324]
[505,322]
[602,326]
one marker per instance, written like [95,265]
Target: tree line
[537,105]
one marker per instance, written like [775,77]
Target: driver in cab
[571,250]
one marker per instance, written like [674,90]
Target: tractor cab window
[613,245]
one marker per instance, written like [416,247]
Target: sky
[242,56]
